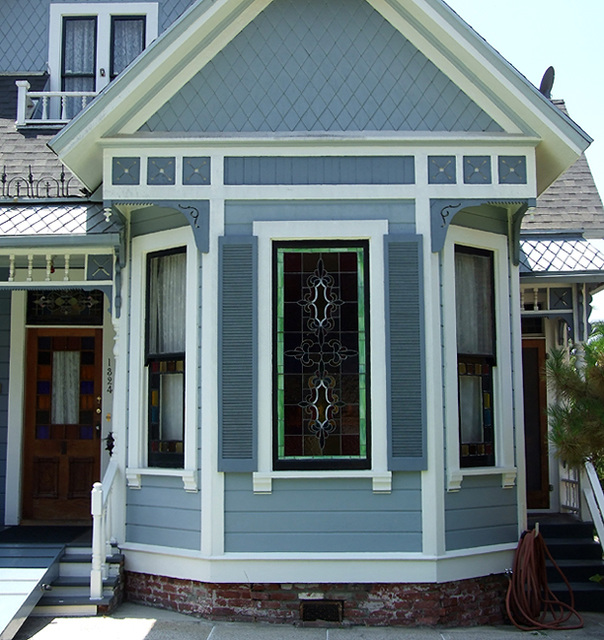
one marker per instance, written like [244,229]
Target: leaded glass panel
[322,355]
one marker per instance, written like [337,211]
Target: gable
[317,66]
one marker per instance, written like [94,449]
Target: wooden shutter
[237,359]
[406,353]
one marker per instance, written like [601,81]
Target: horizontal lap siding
[162,513]
[481,513]
[323,515]
[240,215]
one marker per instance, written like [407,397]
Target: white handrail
[100,507]
[26,104]
[594,496]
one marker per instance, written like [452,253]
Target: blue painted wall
[320,66]
[5,307]
[323,515]
[163,513]
[240,215]
[24,30]
[481,513]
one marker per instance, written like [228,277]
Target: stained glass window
[475,320]
[321,338]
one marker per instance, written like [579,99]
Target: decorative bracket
[197,214]
[442,213]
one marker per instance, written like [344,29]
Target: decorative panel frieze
[561,298]
[99,267]
[512,170]
[161,171]
[319,170]
[442,170]
[477,170]
[126,171]
[195,170]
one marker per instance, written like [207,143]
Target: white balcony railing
[594,496]
[48,107]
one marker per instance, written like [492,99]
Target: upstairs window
[165,357]
[476,349]
[92,42]
[127,41]
[321,342]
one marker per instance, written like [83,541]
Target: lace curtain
[65,387]
[167,286]
[128,42]
[474,296]
[79,54]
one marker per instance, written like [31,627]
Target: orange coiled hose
[529,601]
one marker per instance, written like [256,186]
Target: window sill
[456,476]
[188,476]
[263,482]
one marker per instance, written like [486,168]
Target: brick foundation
[478,601]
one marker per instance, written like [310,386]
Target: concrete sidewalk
[135,622]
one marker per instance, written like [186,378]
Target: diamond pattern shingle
[320,66]
[24,29]
[54,219]
[559,255]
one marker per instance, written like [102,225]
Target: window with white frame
[91,43]
[163,346]
[479,388]
[352,254]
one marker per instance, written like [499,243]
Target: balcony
[48,108]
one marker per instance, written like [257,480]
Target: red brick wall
[472,602]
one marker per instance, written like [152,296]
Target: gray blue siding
[285,72]
[323,515]
[25,24]
[481,513]
[320,170]
[5,307]
[162,513]
[240,215]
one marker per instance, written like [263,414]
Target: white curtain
[128,42]
[167,289]
[171,406]
[470,409]
[80,53]
[65,387]
[474,303]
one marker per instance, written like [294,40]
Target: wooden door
[535,424]
[61,459]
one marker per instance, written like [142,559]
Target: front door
[535,424]
[62,423]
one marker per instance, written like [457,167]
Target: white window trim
[137,432]
[373,231]
[503,400]
[103,11]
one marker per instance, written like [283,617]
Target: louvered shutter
[237,359]
[406,353]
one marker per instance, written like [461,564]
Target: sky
[566,34]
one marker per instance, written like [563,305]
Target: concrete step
[589,596]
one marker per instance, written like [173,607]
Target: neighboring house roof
[572,203]
[557,256]
[430,26]
[24,153]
